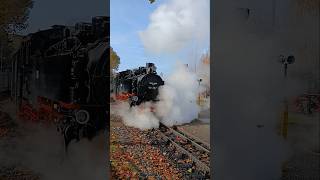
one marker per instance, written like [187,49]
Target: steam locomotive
[62,77]
[138,85]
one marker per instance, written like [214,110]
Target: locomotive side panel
[51,78]
[98,67]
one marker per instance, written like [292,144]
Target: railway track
[16,173]
[193,138]
[190,158]
[190,149]
[141,159]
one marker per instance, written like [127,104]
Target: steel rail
[200,164]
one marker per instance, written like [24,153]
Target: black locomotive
[138,85]
[63,71]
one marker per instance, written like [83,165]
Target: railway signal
[286,61]
[285,121]
[200,101]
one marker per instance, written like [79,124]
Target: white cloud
[175,24]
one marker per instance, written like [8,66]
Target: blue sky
[128,17]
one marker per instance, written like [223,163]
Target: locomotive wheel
[89,131]
[70,133]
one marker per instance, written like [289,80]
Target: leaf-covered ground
[133,156]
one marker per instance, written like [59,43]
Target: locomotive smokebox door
[82,116]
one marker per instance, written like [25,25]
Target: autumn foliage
[14,14]
[308,6]
[114,60]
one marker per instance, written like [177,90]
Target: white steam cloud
[137,116]
[175,24]
[178,97]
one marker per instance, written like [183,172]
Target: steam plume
[177,103]
[175,24]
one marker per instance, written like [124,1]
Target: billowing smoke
[137,116]
[175,24]
[41,149]
[178,97]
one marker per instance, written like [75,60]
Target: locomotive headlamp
[82,116]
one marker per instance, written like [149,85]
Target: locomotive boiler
[138,85]
[62,77]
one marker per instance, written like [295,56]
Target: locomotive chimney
[101,26]
[151,68]
[149,65]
